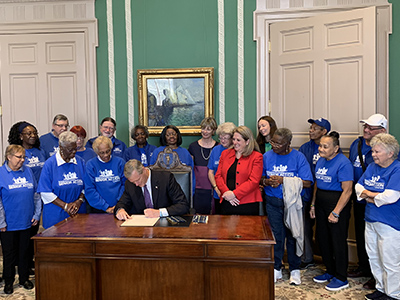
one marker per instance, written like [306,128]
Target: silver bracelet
[65,206]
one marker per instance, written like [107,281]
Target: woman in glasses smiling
[104,178]
[20,208]
[26,135]
[142,150]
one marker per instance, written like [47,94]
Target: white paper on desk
[140,220]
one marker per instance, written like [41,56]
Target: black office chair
[169,160]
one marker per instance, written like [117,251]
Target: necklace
[202,154]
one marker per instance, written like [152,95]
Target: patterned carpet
[309,290]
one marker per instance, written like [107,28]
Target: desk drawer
[240,251]
[57,247]
[150,249]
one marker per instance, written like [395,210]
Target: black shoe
[370,284]
[306,265]
[8,288]
[375,295]
[357,273]
[28,285]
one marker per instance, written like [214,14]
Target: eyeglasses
[108,128]
[171,134]
[140,133]
[19,156]
[276,144]
[81,138]
[29,133]
[224,138]
[62,125]
[366,126]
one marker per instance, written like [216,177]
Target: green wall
[184,34]
[175,34]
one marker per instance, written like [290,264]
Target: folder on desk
[140,220]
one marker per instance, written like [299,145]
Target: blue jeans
[275,211]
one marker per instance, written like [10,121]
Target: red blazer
[248,174]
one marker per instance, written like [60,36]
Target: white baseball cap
[376,120]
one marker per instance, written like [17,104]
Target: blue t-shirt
[141,154]
[87,154]
[310,151]
[35,159]
[355,160]
[329,174]
[118,149]
[66,182]
[49,144]
[293,164]
[104,182]
[17,190]
[378,179]
[213,161]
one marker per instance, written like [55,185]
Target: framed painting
[180,97]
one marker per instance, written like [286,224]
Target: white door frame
[58,16]
[270,11]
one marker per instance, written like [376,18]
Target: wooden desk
[92,257]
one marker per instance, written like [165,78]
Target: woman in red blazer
[239,173]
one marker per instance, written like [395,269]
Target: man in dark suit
[154,194]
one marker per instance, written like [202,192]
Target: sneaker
[277,275]
[295,277]
[337,285]
[323,278]
[306,265]
[375,295]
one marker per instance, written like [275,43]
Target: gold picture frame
[180,97]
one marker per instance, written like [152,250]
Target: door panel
[43,75]
[324,66]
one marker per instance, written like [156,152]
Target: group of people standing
[234,176]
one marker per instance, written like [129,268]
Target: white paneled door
[42,75]
[324,66]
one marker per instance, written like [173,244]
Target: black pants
[248,209]
[359,226]
[308,255]
[33,231]
[332,237]
[15,246]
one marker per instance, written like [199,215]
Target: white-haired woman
[380,187]
[104,178]
[61,182]
[225,133]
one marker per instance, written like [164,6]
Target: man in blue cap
[318,128]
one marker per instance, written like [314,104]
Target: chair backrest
[169,160]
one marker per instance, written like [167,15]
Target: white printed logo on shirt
[373,182]
[280,170]
[34,162]
[315,158]
[321,175]
[20,182]
[357,163]
[107,175]
[70,178]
